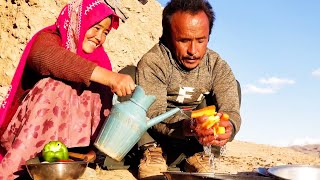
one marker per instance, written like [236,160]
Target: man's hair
[189,6]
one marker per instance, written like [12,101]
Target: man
[182,72]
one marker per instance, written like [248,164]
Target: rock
[125,46]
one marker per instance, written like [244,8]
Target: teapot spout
[161,117]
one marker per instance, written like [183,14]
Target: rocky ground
[19,20]
[240,158]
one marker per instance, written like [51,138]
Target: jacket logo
[183,94]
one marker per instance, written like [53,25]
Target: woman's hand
[121,84]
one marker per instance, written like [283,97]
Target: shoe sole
[189,168]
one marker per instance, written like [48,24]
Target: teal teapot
[126,124]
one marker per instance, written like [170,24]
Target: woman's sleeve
[49,58]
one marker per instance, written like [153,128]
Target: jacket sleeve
[49,58]
[152,76]
[225,88]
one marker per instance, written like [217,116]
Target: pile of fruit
[207,121]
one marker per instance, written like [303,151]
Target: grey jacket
[160,75]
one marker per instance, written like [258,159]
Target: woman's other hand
[121,84]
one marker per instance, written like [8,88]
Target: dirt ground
[240,158]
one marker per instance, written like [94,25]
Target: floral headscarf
[73,22]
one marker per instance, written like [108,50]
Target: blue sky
[273,48]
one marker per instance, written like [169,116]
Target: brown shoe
[152,163]
[199,162]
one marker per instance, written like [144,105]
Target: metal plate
[296,172]
[178,175]
[175,175]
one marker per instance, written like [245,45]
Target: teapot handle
[115,99]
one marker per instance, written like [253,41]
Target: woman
[63,85]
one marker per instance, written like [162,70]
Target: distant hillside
[308,149]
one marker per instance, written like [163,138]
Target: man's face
[189,37]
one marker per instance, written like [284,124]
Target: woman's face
[96,35]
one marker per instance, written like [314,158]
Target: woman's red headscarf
[73,22]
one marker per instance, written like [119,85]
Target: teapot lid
[141,99]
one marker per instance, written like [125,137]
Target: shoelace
[204,161]
[154,156]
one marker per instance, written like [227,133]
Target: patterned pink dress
[63,110]
[52,110]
